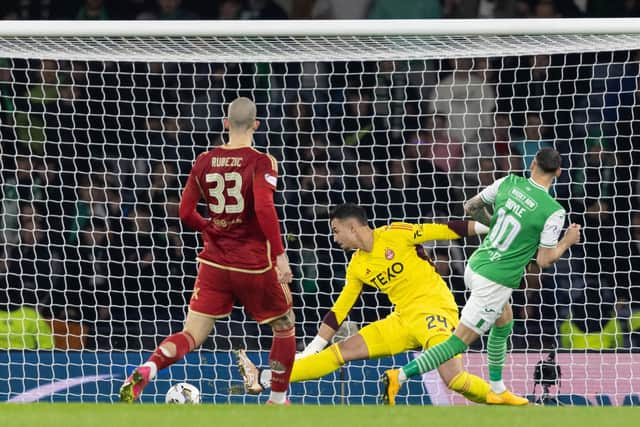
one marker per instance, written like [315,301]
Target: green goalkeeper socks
[435,356]
[497,349]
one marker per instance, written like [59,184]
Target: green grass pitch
[87,415]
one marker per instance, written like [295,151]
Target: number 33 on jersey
[233,182]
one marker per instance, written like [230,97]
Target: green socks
[497,349]
[435,356]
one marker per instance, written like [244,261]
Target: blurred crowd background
[94,156]
[315,9]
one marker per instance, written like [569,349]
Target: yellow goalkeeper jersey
[398,267]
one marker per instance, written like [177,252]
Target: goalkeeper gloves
[315,346]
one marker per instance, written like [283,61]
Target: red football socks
[281,358]
[184,343]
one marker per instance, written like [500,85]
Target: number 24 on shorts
[432,321]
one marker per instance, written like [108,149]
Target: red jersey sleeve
[191,195]
[264,185]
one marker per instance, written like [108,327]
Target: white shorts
[486,303]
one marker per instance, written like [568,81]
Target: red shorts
[262,296]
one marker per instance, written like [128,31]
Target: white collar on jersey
[536,184]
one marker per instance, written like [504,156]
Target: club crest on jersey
[271,179]
[389,254]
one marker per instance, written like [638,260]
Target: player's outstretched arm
[547,256]
[476,228]
[334,318]
[452,230]
[319,342]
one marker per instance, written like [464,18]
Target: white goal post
[101,121]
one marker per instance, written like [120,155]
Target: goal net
[101,121]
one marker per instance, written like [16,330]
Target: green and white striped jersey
[525,216]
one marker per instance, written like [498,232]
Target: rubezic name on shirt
[220,162]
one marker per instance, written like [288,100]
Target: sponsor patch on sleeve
[271,179]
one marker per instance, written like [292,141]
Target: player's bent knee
[198,327]
[199,340]
[353,348]
[199,335]
[506,316]
[283,323]
[450,370]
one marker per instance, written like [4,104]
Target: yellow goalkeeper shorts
[396,334]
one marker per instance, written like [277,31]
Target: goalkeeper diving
[391,259]
[526,219]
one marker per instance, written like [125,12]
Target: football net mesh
[99,134]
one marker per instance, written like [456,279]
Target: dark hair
[548,160]
[349,210]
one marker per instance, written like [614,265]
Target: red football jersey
[242,232]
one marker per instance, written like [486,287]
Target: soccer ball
[183,393]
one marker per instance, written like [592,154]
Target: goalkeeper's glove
[480,228]
[315,346]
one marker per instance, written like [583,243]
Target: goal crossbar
[295,41]
[389,27]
